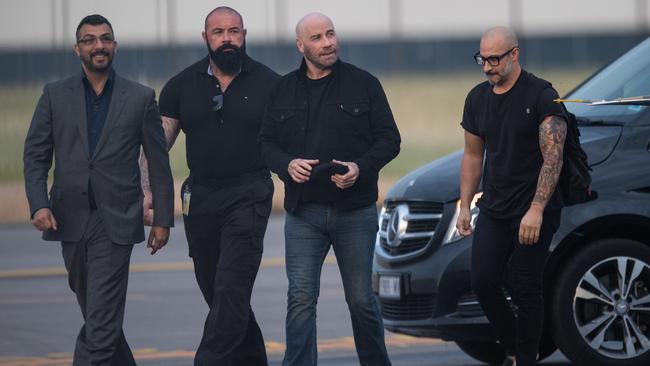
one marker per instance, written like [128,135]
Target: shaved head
[500,45]
[501,35]
[316,40]
[221,10]
[309,21]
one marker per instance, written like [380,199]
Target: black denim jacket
[363,130]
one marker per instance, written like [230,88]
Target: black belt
[228,182]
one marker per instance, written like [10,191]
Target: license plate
[390,287]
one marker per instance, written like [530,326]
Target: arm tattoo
[552,133]
[144,173]
[172,129]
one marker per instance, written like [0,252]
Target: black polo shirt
[219,143]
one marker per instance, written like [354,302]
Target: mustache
[225,47]
[329,49]
[100,53]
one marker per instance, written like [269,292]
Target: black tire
[599,259]
[546,346]
[485,351]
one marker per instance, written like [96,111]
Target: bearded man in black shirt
[512,120]
[218,103]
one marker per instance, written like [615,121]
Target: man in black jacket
[327,132]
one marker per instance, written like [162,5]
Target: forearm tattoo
[144,173]
[171,128]
[552,133]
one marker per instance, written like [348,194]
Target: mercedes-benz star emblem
[397,225]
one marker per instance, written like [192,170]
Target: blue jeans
[310,231]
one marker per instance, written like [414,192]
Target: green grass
[427,108]
[428,111]
[16,109]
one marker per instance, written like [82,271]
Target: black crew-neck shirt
[219,143]
[509,123]
[319,189]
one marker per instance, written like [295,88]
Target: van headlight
[452,234]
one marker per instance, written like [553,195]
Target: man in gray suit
[94,124]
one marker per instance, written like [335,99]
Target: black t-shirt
[319,189]
[221,143]
[509,125]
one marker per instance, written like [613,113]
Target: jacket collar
[302,70]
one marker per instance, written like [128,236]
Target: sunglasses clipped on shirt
[218,102]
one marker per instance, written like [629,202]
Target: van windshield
[629,76]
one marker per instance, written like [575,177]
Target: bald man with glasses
[511,119]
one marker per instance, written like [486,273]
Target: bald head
[311,21]
[500,52]
[500,36]
[223,10]
[316,40]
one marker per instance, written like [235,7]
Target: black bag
[575,180]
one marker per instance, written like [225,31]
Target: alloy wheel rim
[611,307]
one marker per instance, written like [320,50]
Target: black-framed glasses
[90,41]
[218,102]
[492,60]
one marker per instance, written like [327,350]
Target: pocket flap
[281,115]
[355,109]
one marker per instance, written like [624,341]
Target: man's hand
[147,206]
[531,225]
[464,222]
[300,169]
[44,220]
[158,237]
[348,179]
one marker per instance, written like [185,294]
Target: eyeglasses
[492,60]
[218,102]
[90,41]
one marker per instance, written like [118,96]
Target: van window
[629,76]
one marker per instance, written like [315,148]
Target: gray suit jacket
[59,128]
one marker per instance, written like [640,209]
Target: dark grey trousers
[98,272]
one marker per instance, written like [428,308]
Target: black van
[597,279]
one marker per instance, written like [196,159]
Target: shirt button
[90,167]
[356,110]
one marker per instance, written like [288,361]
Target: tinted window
[629,76]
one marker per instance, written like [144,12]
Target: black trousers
[225,229]
[496,244]
[98,272]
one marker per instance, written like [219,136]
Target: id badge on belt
[186,195]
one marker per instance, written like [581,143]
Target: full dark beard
[228,58]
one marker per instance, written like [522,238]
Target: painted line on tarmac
[342,344]
[135,268]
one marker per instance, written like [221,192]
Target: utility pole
[641,10]
[515,8]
